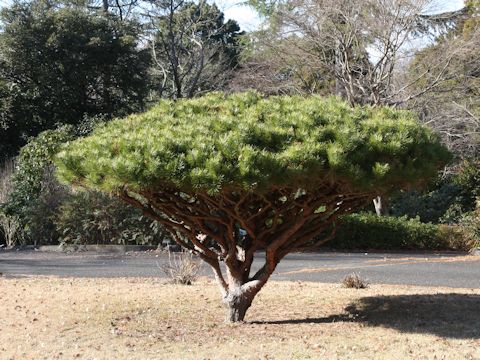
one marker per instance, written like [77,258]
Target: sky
[248,19]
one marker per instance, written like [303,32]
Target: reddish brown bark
[279,221]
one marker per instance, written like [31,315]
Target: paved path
[427,269]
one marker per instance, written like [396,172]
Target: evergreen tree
[60,63]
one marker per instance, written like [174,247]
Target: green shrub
[369,231]
[469,179]
[89,217]
[462,210]
[6,174]
[455,212]
[39,217]
[50,213]
[447,202]
[430,206]
[470,222]
[33,187]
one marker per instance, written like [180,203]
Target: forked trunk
[237,306]
[238,288]
[239,295]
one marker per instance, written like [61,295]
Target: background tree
[261,69]
[194,49]
[282,169]
[453,107]
[7,147]
[59,64]
[472,20]
[355,49]
[123,9]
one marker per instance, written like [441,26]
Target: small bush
[39,217]
[182,268]
[9,227]
[354,281]
[470,222]
[459,237]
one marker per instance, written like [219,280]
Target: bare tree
[193,48]
[456,119]
[453,107]
[360,49]
[362,46]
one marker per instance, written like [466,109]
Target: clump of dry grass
[354,281]
[182,268]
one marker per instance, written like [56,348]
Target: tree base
[237,308]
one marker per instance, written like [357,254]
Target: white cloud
[246,17]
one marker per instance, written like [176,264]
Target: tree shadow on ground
[446,315]
[322,320]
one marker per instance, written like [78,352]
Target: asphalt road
[426,269]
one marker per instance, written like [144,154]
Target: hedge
[369,231]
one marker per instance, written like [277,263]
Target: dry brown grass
[182,268]
[51,318]
[354,281]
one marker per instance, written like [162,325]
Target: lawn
[61,318]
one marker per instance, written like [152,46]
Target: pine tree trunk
[239,290]
[237,306]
